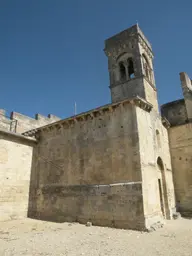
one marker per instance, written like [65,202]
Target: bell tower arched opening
[131,71]
[122,71]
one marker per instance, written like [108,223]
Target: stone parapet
[19,123]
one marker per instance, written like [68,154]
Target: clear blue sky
[51,51]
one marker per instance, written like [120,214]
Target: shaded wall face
[100,150]
[181,153]
[175,112]
[153,146]
[15,169]
[118,205]
[128,90]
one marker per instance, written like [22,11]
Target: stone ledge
[17,136]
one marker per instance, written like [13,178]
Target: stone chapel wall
[100,147]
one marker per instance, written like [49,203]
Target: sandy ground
[31,237]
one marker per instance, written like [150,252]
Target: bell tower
[130,66]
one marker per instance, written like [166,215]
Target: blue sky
[51,51]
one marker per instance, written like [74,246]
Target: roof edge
[172,103]
[137,101]
[17,135]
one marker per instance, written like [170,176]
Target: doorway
[161,197]
[163,189]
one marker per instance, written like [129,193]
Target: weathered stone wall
[100,148]
[20,123]
[153,141]
[125,36]
[181,154]
[175,112]
[114,205]
[15,170]
[150,94]
[128,90]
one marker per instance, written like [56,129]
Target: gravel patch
[32,237]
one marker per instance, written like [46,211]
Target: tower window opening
[122,71]
[131,72]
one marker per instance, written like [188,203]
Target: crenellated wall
[6,123]
[20,123]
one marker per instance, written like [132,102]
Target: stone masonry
[179,114]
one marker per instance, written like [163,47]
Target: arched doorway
[163,189]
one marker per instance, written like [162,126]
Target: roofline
[172,102]
[137,101]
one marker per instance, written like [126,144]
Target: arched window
[146,66]
[131,71]
[158,139]
[122,71]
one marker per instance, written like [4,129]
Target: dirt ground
[32,237]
